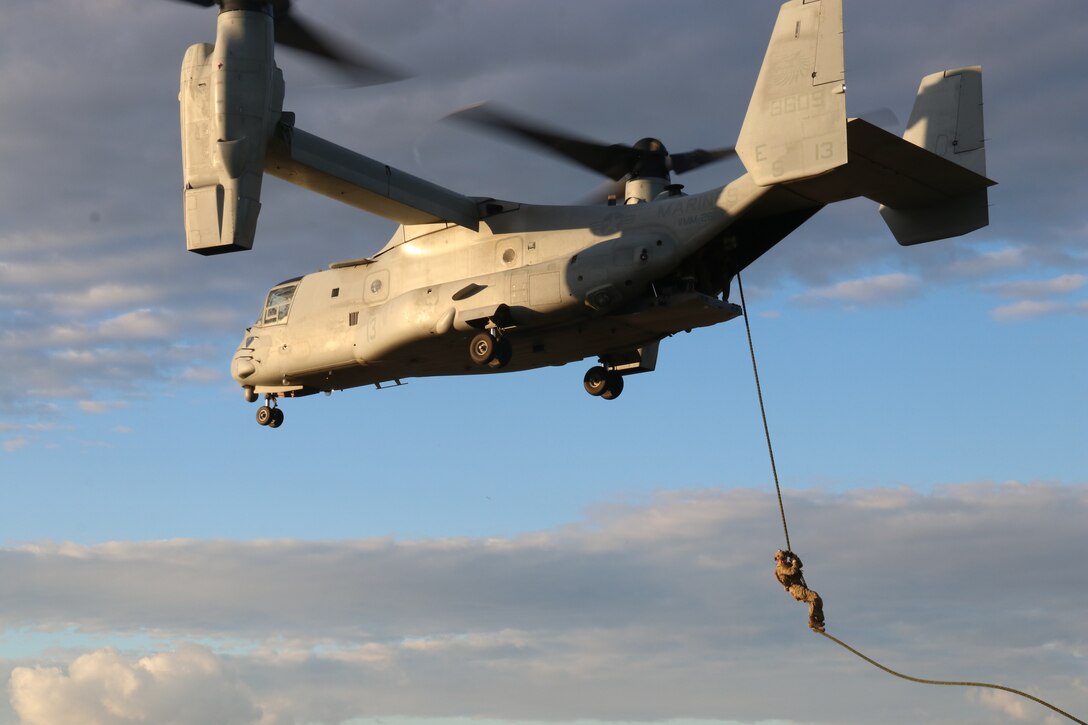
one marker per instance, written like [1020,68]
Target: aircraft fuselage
[559,283]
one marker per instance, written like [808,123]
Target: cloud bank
[651,612]
[878,289]
[184,687]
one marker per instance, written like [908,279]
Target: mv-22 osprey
[480,285]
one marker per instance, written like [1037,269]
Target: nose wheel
[269,414]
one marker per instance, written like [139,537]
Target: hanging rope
[890,671]
[763,412]
[786,531]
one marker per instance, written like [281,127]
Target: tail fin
[796,122]
[947,121]
[947,117]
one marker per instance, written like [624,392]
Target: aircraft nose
[242,367]
[244,363]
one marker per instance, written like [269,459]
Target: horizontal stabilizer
[893,171]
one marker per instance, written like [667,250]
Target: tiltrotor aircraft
[480,285]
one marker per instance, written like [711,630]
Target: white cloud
[184,687]
[101,406]
[1062,284]
[1034,307]
[139,325]
[15,443]
[980,264]
[202,375]
[1010,705]
[1026,310]
[868,290]
[77,340]
[107,296]
[88,268]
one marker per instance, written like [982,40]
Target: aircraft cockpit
[278,304]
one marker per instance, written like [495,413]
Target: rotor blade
[363,71]
[611,189]
[292,32]
[679,163]
[614,161]
[691,160]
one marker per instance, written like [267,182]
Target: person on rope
[787,569]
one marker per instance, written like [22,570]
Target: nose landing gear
[269,414]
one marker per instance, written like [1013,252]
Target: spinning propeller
[294,33]
[647,158]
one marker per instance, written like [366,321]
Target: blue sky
[507,548]
[954,403]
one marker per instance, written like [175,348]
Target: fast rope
[763,412]
[890,671]
[786,531]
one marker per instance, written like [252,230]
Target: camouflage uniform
[787,570]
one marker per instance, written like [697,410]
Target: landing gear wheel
[503,352]
[607,384]
[613,386]
[482,349]
[277,418]
[596,381]
[265,414]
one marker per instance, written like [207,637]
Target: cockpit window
[278,304]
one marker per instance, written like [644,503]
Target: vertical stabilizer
[796,121]
[947,121]
[947,117]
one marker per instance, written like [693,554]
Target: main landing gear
[602,383]
[269,414]
[491,349]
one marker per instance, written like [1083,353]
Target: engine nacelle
[231,99]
